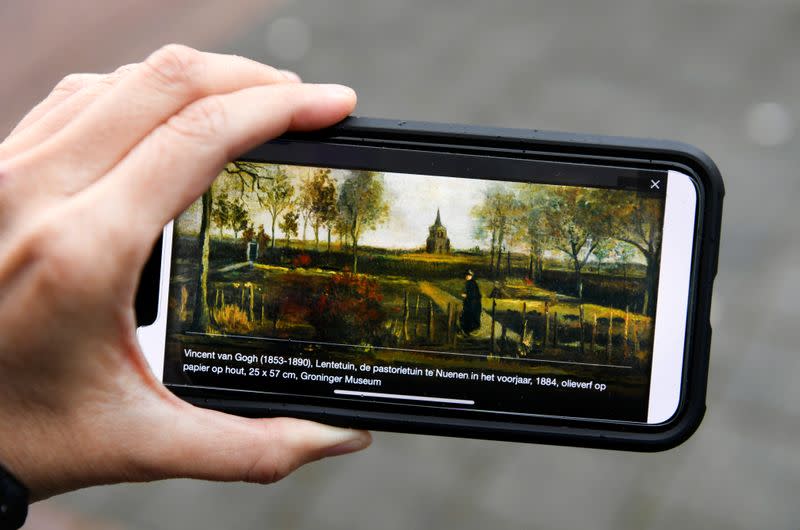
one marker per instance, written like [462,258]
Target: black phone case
[541,145]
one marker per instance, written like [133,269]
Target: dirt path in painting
[184,278]
[233,266]
[442,298]
[439,297]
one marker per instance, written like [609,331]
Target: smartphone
[452,280]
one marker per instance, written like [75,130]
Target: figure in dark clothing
[471,315]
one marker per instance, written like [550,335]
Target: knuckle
[44,247]
[104,83]
[108,81]
[5,174]
[52,239]
[15,182]
[71,83]
[280,471]
[120,73]
[67,262]
[279,461]
[72,253]
[269,470]
[173,65]
[203,119]
[126,68]
[6,191]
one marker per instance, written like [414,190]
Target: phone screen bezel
[665,399]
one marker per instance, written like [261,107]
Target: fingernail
[291,76]
[343,441]
[339,91]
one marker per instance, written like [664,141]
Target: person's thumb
[205,444]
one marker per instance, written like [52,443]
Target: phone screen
[528,295]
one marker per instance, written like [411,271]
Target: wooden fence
[526,332]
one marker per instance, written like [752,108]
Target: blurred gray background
[723,75]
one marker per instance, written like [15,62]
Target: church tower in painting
[437,242]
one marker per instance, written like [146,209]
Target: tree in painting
[289,225]
[577,221]
[244,175]
[362,206]
[276,197]
[639,223]
[495,217]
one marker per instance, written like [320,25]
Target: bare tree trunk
[504,332]
[405,316]
[524,326]
[200,318]
[555,328]
[651,279]
[252,305]
[498,266]
[546,334]
[329,239]
[430,320]
[494,308]
[625,348]
[491,256]
[416,317]
[450,318]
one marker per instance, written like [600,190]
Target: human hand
[87,181]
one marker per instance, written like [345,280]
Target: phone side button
[710,333]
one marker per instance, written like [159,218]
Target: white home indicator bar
[403,396]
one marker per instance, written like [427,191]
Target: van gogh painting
[415,265]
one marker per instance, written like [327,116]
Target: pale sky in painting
[412,199]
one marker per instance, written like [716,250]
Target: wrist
[31,449]
[20,453]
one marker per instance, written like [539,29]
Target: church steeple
[438,242]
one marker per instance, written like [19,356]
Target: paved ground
[719,74]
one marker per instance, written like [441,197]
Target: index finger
[169,80]
[63,90]
[173,166]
